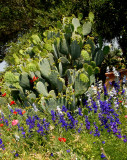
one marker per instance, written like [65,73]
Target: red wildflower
[12,102]
[0,119]
[120,101]
[15,112]
[62,139]
[34,79]
[23,112]
[125,116]
[3,95]
[8,129]
[1,125]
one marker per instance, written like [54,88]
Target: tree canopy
[20,16]
[111,21]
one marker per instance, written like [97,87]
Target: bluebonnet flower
[31,122]
[98,95]
[105,90]
[16,155]
[94,106]
[11,110]
[87,123]
[40,129]
[97,133]
[117,87]
[123,91]
[64,109]
[73,121]
[125,140]
[80,111]
[85,103]
[53,115]
[51,154]
[103,142]
[89,108]
[36,117]
[102,155]
[5,121]
[23,133]
[1,141]
[62,120]
[79,130]
[68,150]
[19,111]
[45,124]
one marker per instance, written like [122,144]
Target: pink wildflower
[14,122]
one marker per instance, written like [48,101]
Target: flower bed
[96,130]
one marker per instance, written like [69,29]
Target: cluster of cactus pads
[57,70]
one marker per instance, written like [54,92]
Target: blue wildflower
[102,155]
[80,111]
[16,155]
[53,115]
[68,150]
[64,109]
[51,154]
[1,141]
[87,123]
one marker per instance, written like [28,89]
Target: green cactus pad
[41,89]
[99,57]
[51,59]
[45,67]
[24,80]
[85,55]
[76,23]
[64,60]
[53,78]
[60,69]
[60,84]
[87,28]
[75,50]
[84,78]
[52,93]
[31,67]
[11,78]
[91,16]
[92,46]
[90,70]
[71,76]
[35,39]
[64,47]
[80,86]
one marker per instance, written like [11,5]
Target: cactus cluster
[63,64]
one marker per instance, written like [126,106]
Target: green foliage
[61,63]
[11,78]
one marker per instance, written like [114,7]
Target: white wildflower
[35,108]
[59,110]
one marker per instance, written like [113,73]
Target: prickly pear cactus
[9,77]
[41,89]
[24,80]
[45,67]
